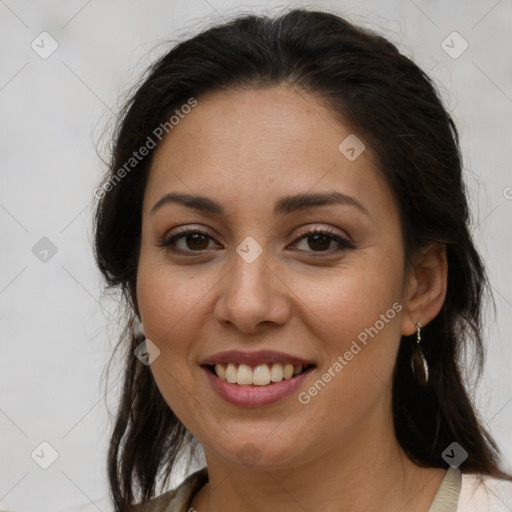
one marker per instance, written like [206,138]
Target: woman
[286,217]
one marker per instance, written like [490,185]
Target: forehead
[263,142]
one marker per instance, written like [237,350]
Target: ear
[425,288]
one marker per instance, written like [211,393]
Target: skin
[245,149]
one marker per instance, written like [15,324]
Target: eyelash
[344,244]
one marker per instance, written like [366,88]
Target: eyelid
[187,229]
[311,230]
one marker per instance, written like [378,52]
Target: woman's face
[251,282]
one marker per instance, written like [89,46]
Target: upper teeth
[262,374]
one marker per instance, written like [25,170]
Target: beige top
[457,493]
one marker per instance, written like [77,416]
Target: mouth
[265,374]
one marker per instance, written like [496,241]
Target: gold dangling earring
[419,363]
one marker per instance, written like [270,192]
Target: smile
[258,375]
[256,395]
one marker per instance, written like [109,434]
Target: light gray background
[55,337]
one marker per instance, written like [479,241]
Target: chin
[260,452]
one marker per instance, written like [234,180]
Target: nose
[252,295]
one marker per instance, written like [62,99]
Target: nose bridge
[251,259]
[250,276]
[252,293]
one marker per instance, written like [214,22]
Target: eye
[321,239]
[193,238]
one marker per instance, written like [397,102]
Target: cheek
[355,379]
[357,318]
[169,301]
[342,304]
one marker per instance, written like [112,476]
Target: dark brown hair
[397,109]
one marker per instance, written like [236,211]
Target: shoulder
[176,500]
[481,493]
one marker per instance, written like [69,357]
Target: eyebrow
[283,205]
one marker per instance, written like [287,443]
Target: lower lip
[255,396]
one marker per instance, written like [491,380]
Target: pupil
[321,237]
[196,238]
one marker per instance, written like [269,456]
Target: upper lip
[254,358]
